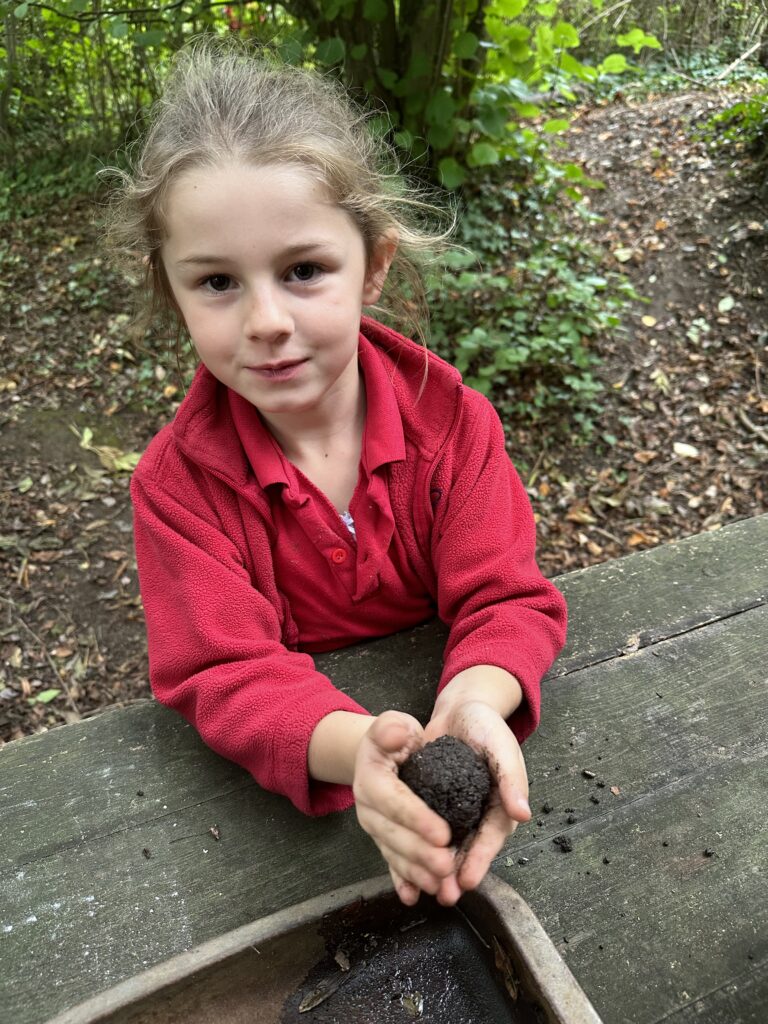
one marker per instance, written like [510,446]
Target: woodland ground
[681,444]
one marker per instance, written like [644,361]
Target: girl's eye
[305,271]
[218,282]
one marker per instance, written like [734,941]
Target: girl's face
[271,277]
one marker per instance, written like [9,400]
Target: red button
[338,555]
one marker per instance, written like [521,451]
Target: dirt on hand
[452,779]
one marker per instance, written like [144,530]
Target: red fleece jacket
[244,565]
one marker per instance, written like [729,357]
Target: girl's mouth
[278,371]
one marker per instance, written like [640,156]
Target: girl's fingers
[410,872]
[438,860]
[488,842]
[513,800]
[378,789]
[450,892]
[406,891]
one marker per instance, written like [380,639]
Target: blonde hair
[224,101]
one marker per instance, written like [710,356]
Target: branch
[603,14]
[738,61]
[133,12]
[752,427]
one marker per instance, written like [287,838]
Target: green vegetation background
[476,95]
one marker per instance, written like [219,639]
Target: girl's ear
[378,266]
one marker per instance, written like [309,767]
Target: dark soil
[685,406]
[452,779]
[406,964]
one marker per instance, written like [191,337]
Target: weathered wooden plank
[658,926]
[689,755]
[742,1000]
[663,592]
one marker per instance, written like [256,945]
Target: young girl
[325,480]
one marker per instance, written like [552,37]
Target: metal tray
[357,956]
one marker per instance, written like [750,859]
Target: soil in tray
[405,964]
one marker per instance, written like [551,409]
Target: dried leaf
[644,456]
[341,959]
[685,451]
[413,1003]
[580,515]
[640,537]
[62,651]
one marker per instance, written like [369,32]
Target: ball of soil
[452,779]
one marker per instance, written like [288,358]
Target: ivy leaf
[565,35]
[21,10]
[556,124]
[440,136]
[493,120]
[637,39]
[466,45]
[509,8]
[330,51]
[118,28]
[440,108]
[482,154]
[452,174]
[526,109]
[387,78]
[613,64]
[359,51]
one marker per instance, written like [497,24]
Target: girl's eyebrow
[290,252]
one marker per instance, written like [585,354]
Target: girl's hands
[486,731]
[412,838]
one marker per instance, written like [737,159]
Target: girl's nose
[267,315]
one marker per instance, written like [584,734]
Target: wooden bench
[126,841]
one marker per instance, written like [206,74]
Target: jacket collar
[400,398]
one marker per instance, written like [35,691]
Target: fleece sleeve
[216,655]
[500,609]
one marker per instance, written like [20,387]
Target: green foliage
[31,187]
[744,125]
[457,80]
[521,306]
[703,68]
